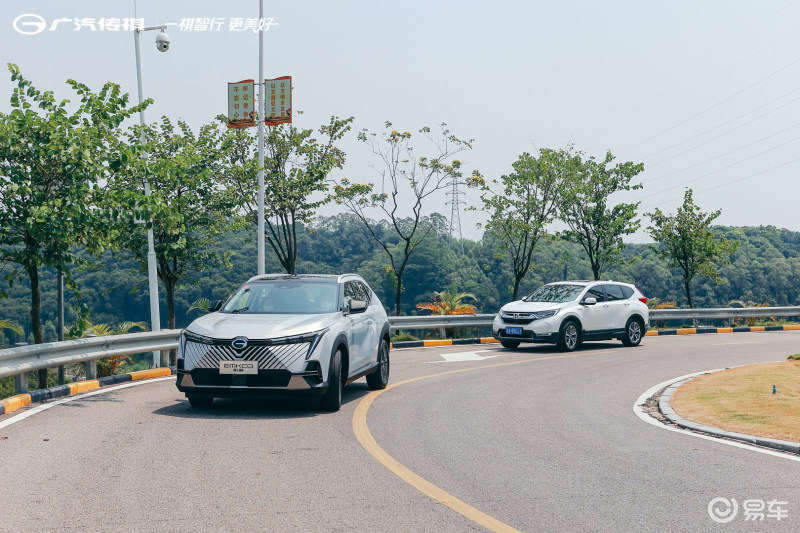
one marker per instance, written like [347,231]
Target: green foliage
[421,176]
[401,336]
[689,244]
[521,205]
[296,169]
[55,163]
[10,324]
[189,209]
[449,303]
[201,304]
[594,224]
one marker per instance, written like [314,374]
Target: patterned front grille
[274,357]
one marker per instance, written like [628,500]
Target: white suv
[282,334]
[566,313]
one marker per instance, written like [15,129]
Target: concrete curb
[666,410]
[651,333]
[19,401]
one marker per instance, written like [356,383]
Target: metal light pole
[260,118]
[155,312]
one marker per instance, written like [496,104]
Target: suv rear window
[614,292]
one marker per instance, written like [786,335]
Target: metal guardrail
[23,359]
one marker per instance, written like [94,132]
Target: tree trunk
[36,320]
[170,290]
[517,281]
[688,293]
[399,289]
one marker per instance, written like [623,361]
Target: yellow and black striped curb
[651,333]
[21,400]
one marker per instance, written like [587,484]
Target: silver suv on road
[567,313]
[306,334]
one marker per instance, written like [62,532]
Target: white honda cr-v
[566,313]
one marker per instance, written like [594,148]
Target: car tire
[332,400]
[200,402]
[380,378]
[634,331]
[510,344]
[569,336]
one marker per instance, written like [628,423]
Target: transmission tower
[455,202]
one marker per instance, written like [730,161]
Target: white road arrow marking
[463,356]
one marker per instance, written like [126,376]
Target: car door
[357,327]
[372,334]
[617,305]
[594,317]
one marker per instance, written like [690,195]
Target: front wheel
[633,333]
[568,337]
[332,400]
[380,378]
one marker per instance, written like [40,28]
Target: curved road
[535,439]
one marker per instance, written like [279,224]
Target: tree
[689,244]
[53,164]
[585,209]
[296,169]
[521,204]
[189,208]
[405,173]
[10,324]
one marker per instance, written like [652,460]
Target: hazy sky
[705,94]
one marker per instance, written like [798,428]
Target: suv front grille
[269,357]
[518,318]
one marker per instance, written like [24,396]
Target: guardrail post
[91,366]
[91,369]
[442,333]
[21,383]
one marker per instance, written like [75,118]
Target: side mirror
[589,301]
[216,306]
[357,306]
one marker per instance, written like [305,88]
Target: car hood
[252,326]
[528,307]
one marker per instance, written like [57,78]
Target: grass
[741,400]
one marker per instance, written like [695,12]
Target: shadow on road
[286,407]
[534,349]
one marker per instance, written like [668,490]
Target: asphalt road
[536,439]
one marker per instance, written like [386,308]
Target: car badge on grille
[516,315]
[239,343]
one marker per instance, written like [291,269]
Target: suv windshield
[554,293]
[285,297]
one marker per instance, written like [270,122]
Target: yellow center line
[364,436]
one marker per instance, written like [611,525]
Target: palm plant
[13,326]
[111,365]
[449,303]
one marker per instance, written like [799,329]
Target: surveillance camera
[162,41]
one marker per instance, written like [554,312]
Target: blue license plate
[513,331]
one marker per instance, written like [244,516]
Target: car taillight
[643,299]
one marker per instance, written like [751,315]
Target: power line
[687,67]
[723,168]
[727,184]
[650,165]
[706,110]
[737,149]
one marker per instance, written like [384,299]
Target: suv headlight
[316,337]
[546,314]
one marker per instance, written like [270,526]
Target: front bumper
[543,330]
[210,383]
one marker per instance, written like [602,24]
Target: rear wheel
[380,378]
[332,400]
[568,337]
[634,330]
[200,402]
[510,344]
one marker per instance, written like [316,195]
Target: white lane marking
[464,356]
[103,390]
[637,409]
[734,343]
